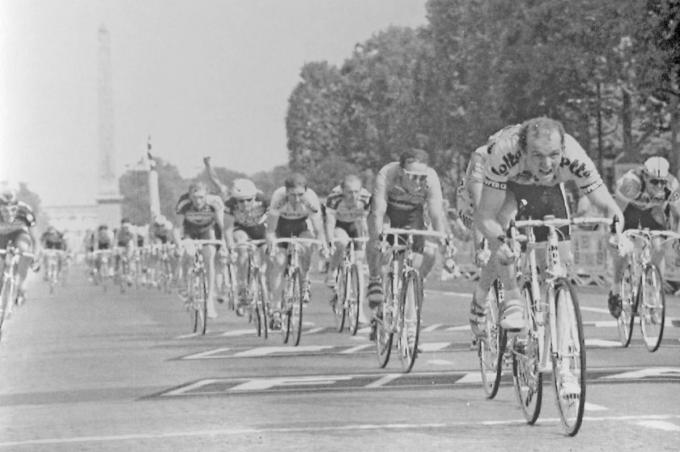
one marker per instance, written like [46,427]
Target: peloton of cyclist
[52,239]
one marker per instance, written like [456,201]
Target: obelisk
[108,196]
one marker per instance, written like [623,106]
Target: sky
[200,77]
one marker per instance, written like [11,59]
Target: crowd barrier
[591,260]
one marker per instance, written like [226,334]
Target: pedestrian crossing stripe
[378,381]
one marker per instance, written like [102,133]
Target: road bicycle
[102,268]
[10,281]
[553,337]
[228,287]
[256,287]
[400,313]
[197,290]
[164,272]
[52,258]
[642,291]
[349,289]
[293,297]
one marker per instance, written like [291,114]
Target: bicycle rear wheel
[263,311]
[6,300]
[526,376]
[627,317]
[339,308]
[294,305]
[652,308]
[354,294]
[199,294]
[491,347]
[569,358]
[385,326]
[410,306]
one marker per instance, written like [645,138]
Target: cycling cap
[243,189]
[657,167]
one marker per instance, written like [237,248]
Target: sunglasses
[243,201]
[657,181]
[416,176]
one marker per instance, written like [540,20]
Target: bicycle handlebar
[250,244]
[647,234]
[298,240]
[413,232]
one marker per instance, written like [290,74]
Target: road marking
[355,349]
[268,383]
[470,377]
[602,343]
[659,425]
[313,429]
[185,336]
[208,354]
[315,330]
[594,407]
[645,373]
[184,389]
[264,351]
[383,381]
[431,328]
[238,333]
[459,328]
[433,346]
[598,310]
[446,292]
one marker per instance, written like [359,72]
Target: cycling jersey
[643,208]
[343,211]
[53,240]
[199,221]
[293,218]
[124,237]
[162,233]
[405,207]
[16,217]
[474,172]
[248,215]
[507,163]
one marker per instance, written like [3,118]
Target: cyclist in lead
[530,161]
[16,228]
[648,195]
[402,192]
[125,239]
[203,219]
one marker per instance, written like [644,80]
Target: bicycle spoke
[652,308]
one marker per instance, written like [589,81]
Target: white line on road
[264,351]
[659,425]
[355,349]
[594,407]
[459,328]
[208,354]
[431,327]
[440,362]
[184,389]
[602,343]
[433,346]
[238,333]
[185,336]
[599,310]
[383,381]
[471,377]
[446,292]
[315,330]
[314,429]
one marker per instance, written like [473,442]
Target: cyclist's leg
[24,244]
[241,236]
[340,241]
[306,263]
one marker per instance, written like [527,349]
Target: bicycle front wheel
[625,320]
[339,307]
[385,326]
[526,375]
[492,346]
[295,316]
[262,307]
[569,358]
[410,310]
[6,297]
[353,296]
[652,308]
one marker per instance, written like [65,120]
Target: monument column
[108,196]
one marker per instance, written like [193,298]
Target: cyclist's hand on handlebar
[507,255]
[482,257]
[622,244]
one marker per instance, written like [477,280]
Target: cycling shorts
[542,201]
[407,219]
[635,217]
[256,232]
[15,238]
[350,227]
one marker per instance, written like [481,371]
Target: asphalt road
[84,370]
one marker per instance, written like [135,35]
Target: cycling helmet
[657,167]
[243,189]
[159,220]
[8,192]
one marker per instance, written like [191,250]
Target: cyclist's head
[198,194]
[8,192]
[160,220]
[296,186]
[243,190]
[351,187]
[656,171]
[103,227]
[51,229]
[542,142]
[125,223]
[414,169]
